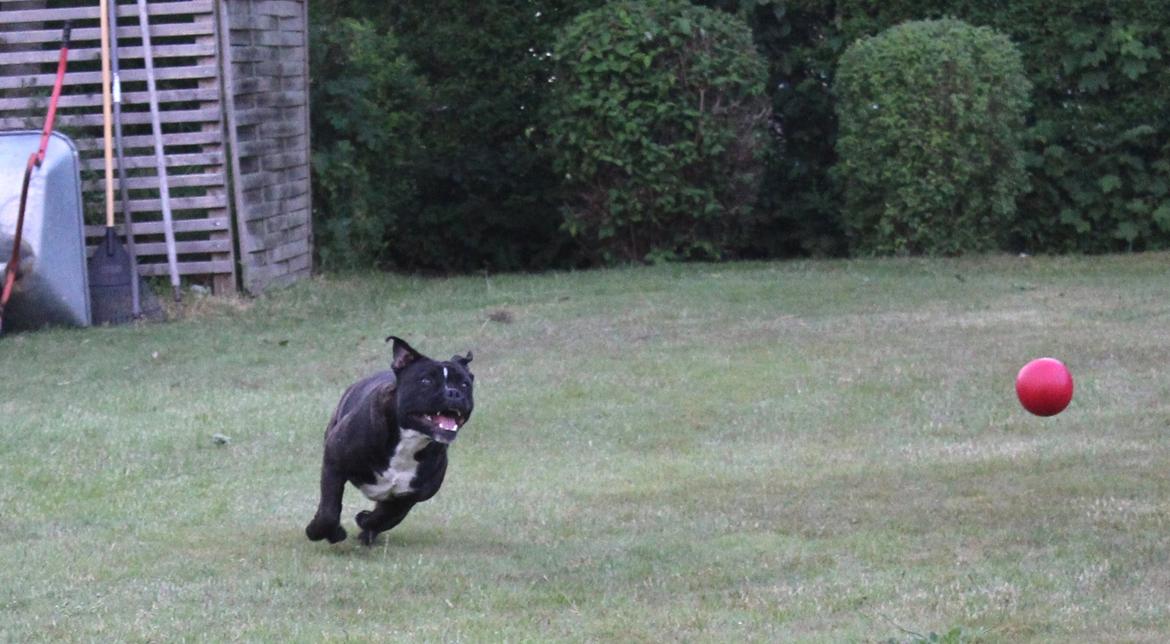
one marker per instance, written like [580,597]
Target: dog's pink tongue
[446,423]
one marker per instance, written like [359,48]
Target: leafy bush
[931,115]
[366,122]
[659,128]
[1099,148]
[468,181]
[1098,136]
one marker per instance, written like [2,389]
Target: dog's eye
[465,384]
[426,381]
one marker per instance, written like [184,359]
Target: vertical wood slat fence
[226,71]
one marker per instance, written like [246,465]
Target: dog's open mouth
[443,424]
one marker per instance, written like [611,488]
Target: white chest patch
[395,479]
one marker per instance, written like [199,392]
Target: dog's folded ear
[403,353]
[463,360]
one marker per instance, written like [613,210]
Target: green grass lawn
[801,451]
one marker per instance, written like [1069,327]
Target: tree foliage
[659,126]
[801,40]
[366,127]
[489,197]
[460,181]
[931,115]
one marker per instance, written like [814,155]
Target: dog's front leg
[327,522]
[385,515]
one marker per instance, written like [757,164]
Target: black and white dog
[389,438]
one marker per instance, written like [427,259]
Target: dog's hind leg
[385,515]
[327,523]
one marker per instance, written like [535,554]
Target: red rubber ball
[1044,386]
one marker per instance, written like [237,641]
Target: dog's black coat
[420,404]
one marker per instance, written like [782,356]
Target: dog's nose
[454,394]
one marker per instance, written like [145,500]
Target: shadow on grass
[419,540]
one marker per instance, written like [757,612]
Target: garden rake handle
[127,219]
[107,117]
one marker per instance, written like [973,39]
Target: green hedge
[1097,142]
[931,115]
[463,176]
[659,127]
[1099,146]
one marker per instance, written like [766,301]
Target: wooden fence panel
[185,54]
[209,56]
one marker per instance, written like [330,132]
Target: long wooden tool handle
[107,118]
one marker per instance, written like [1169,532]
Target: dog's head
[432,397]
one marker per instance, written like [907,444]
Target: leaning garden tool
[159,156]
[142,300]
[111,278]
[12,268]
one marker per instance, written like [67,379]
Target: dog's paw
[361,518]
[368,538]
[317,531]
